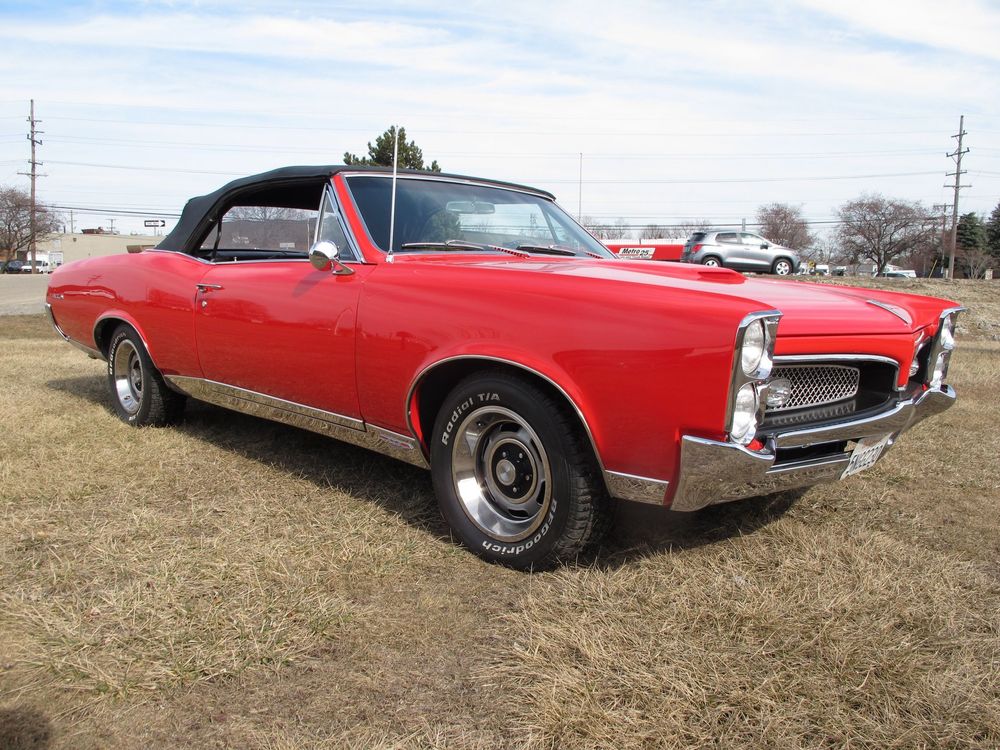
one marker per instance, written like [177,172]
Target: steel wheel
[138,391]
[501,473]
[782,267]
[127,373]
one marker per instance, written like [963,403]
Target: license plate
[865,453]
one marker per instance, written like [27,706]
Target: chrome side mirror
[325,256]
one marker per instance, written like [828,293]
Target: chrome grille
[815,385]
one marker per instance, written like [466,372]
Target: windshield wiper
[449,245]
[555,250]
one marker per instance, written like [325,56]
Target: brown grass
[236,583]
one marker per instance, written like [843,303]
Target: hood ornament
[899,312]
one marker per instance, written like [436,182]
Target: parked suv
[12,266]
[742,251]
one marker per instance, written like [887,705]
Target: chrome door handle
[208,287]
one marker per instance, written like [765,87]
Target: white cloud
[521,80]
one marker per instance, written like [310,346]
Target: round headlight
[752,352]
[948,333]
[744,423]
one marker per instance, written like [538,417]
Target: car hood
[808,309]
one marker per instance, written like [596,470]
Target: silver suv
[741,251]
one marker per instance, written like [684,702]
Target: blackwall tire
[138,392]
[514,474]
[712,262]
[782,267]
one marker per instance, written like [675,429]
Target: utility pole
[957,174]
[33,174]
[943,208]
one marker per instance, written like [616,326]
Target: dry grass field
[237,583]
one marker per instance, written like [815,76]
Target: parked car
[742,251]
[13,266]
[899,273]
[41,266]
[478,331]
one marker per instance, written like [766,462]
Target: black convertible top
[287,187]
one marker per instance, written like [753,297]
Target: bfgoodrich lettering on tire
[514,476]
[138,392]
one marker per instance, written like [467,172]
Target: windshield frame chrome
[347,175]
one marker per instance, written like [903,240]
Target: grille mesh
[815,385]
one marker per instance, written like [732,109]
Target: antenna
[392,209]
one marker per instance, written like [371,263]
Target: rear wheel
[782,267]
[515,477]
[711,261]
[138,392]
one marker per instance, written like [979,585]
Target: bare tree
[619,229]
[652,232]
[976,260]
[881,230]
[15,221]
[690,227]
[785,225]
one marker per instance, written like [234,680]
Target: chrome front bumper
[715,472]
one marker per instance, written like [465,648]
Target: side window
[261,233]
[330,229]
[726,237]
[752,239]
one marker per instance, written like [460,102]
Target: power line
[538,180]
[469,131]
[270,148]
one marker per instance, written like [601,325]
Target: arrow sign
[154,223]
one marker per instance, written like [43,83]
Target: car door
[278,326]
[756,251]
[729,248]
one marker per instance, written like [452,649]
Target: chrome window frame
[353,246]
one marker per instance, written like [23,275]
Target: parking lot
[22,294]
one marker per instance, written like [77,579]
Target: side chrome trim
[338,426]
[486,358]
[638,489]
[92,353]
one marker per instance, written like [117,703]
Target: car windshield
[441,215]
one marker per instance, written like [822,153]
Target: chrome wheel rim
[782,268]
[126,370]
[501,473]
[711,262]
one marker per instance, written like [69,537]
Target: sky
[681,110]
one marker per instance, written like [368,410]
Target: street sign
[154,223]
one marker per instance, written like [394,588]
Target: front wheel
[782,267]
[138,391]
[514,476]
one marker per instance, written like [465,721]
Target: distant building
[90,245]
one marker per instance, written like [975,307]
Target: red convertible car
[473,328]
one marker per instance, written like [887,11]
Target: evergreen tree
[993,233]
[380,154]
